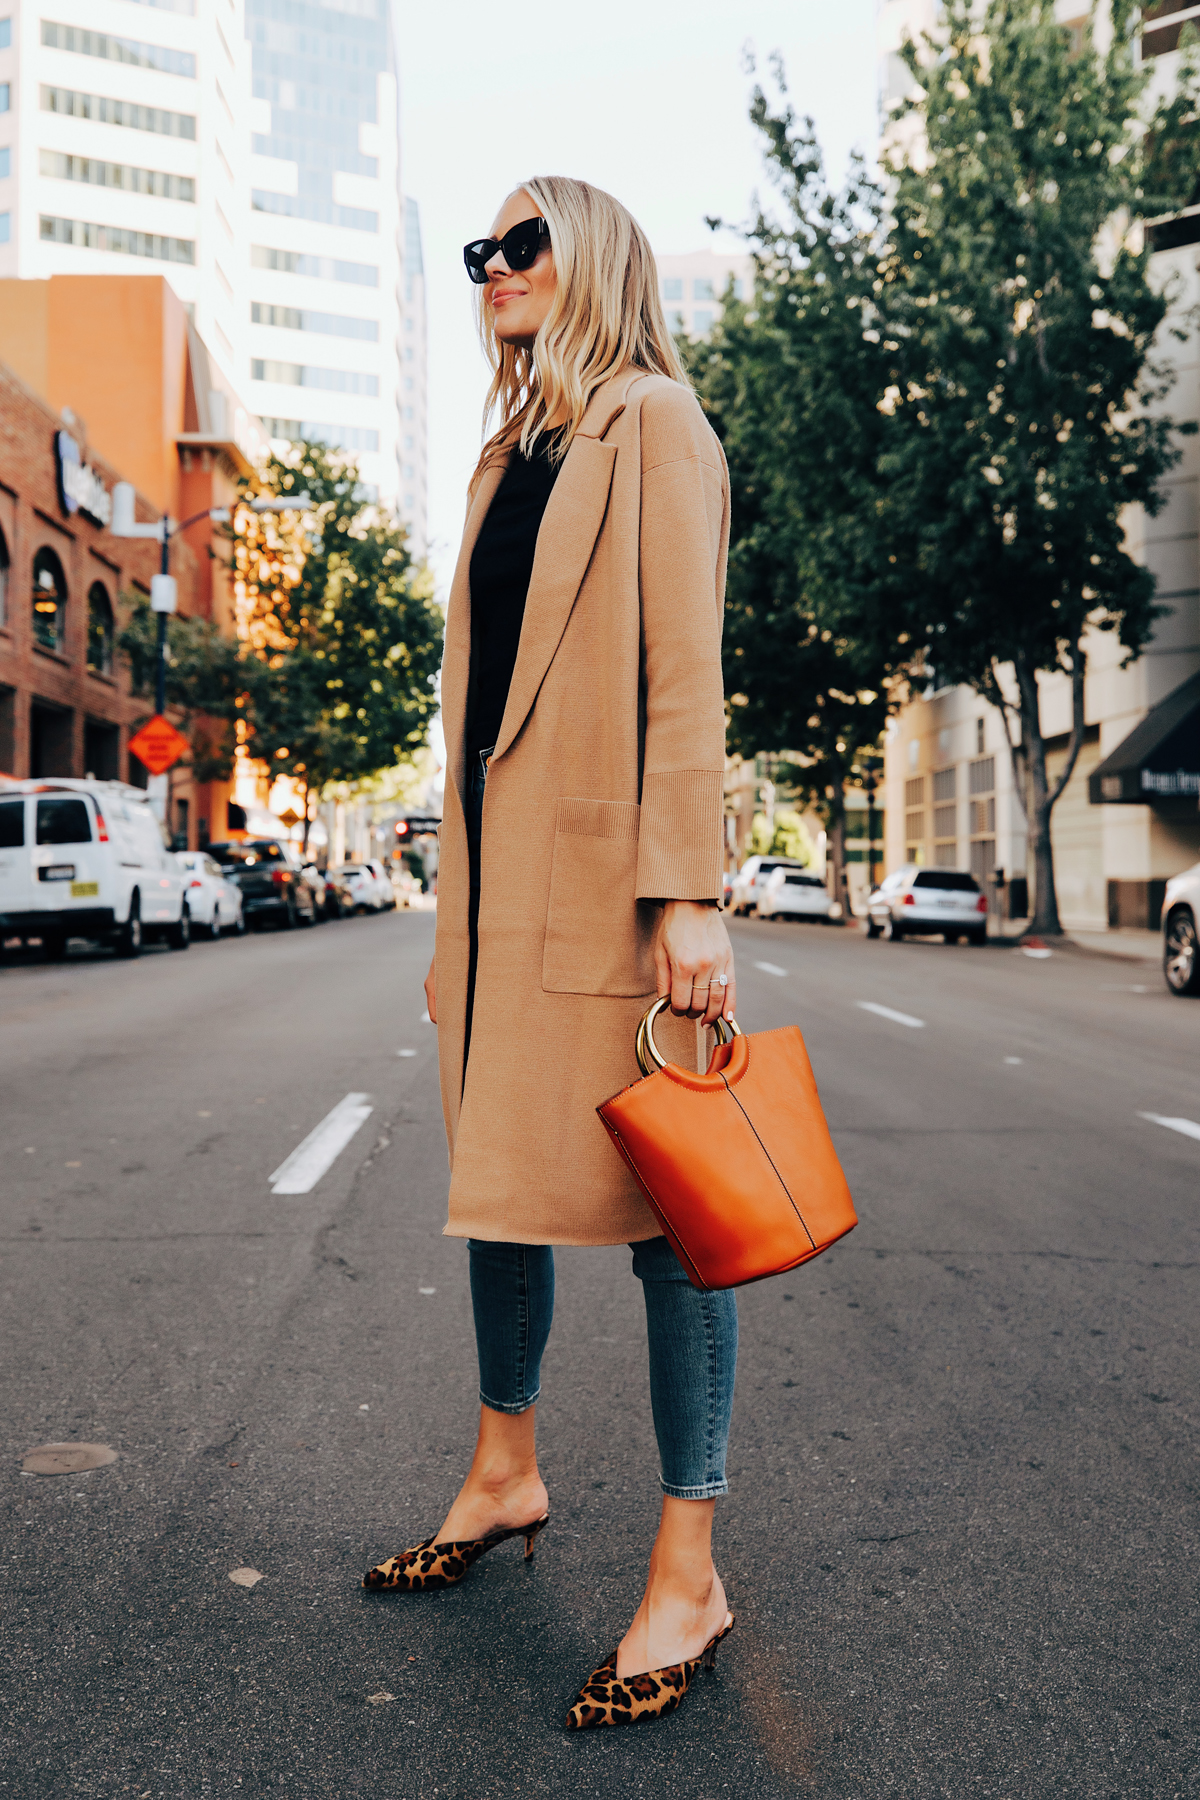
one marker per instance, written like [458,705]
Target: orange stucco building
[116,359]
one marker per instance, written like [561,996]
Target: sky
[644,98]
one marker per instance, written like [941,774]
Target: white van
[87,859]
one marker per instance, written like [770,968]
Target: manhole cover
[66,1459]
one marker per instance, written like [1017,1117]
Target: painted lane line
[309,1160]
[770,968]
[887,1012]
[1188,1127]
[1013,1059]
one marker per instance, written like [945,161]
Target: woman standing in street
[584,718]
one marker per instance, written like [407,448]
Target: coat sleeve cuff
[680,845]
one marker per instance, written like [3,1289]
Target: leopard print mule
[607,1699]
[431,1565]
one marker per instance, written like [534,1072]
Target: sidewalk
[1132,946]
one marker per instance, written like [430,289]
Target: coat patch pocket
[599,936]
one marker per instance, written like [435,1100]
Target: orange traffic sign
[157,745]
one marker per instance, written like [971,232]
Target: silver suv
[913,902]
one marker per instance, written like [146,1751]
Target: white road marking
[427,1290]
[406,1053]
[1012,1059]
[770,968]
[1040,954]
[425,1018]
[887,1012]
[1188,1127]
[309,1160]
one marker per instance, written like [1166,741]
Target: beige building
[693,287]
[1129,817]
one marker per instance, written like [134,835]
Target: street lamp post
[870,784]
[162,585]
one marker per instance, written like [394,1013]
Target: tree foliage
[331,676]
[957,386]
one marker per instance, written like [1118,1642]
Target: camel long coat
[604,796]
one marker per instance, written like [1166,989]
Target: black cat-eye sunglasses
[520,247]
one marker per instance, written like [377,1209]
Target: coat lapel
[570,527]
[456,657]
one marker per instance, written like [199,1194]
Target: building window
[672,288]
[299,318]
[5,96]
[702,322]
[981,782]
[117,112]
[914,819]
[323,268]
[49,601]
[341,437]
[3,581]
[979,728]
[702,288]
[100,630]
[5,33]
[116,175]
[116,239]
[118,49]
[739,288]
[340,381]
[5,163]
[5,227]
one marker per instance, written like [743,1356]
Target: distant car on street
[369,888]
[1180,923]
[273,886]
[914,902]
[214,902]
[82,858]
[788,893]
[755,869]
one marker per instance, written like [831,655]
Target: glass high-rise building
[326,330]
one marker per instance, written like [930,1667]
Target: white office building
[414,389]
[693,287]
[123,148]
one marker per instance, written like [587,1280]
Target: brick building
[114,363]
[65,702]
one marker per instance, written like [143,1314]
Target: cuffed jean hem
[712,1491]
[516,1406]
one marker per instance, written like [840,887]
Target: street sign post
[158,745]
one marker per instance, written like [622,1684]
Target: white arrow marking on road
[309,1160]
[770,968]
[1188,1127]
[886,1012]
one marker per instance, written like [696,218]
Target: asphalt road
[961,1541]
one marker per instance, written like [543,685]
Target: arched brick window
[49,601]
[100,630]
[3,580]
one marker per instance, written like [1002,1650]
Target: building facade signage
[80,489]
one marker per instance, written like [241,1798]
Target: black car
[272,883]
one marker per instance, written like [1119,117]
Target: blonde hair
[606,315]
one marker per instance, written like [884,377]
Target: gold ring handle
[648,1054]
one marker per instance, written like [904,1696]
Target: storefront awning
[1159,760]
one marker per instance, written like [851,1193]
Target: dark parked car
[334,899]
[272,883]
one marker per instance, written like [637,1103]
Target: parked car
[338,901]
[214,902]
[792,894]
[913,902]
[274,888]
[87,859]
[369,888]
[744,896]
[1180,923]
[727,890]
[387,890]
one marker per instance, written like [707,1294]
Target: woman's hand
[692,951]
[431,991]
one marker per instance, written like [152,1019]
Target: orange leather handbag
[737,1163]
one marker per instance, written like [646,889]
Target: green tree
[1024,410]
[342,622]
[791,384]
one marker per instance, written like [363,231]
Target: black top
[501,565]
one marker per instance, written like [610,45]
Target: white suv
[748,882]
[1181,922]
[915,902]
[87,859]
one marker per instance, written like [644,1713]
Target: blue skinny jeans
[692,1337]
